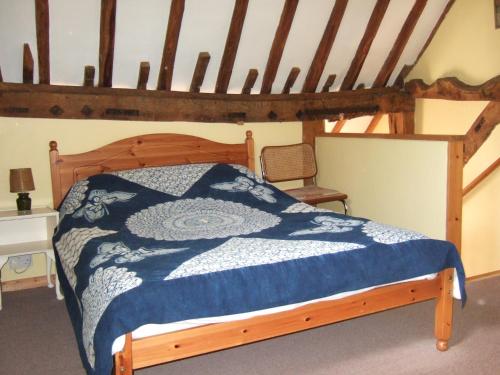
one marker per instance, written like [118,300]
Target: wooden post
[311,129]
[402,123]
[444,306]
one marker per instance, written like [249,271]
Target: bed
[157,268]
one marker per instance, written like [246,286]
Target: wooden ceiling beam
[365,44]
[231,48]
[481,129]
[324,47]
[278,46]
[52,101]
[1,78]
[339,125]
[451,88]
[399,45]
[329,83]
[107,42]
[42,40]
[290,81]
[199,71]
[250,81]
[374,122]
[27,64]
[170,47]
[399,82]
[88,76]
[142,80]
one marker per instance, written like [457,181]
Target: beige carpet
[36,338]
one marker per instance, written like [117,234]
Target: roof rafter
[329,83]
[365,44]
[324,47]
[42,40]
[142,80]
[27,64]
[374,122]
[199,71]
[278,46]
[250,81]
[397,49]
[232,43]
[170,46]
[290,81]
[88,76]
[107,42]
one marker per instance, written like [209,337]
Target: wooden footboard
[169,347]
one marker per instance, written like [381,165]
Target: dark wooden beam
[402,123]
[27,64]
[324,47]
[433,32]
[329,83]
[199,71]
[232,42]
[42,40]
[397,49]
[451,88]
[88,76]
[481,129]
[365,44]
[399,82]
[1,78]
[142,80]
[400,79]
[107,42]
[170,47]
[374,122]
[52,101]
[278,46]
[250,81]
[290,81]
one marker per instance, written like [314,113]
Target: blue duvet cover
[160,245]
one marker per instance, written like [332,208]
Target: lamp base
[23,202]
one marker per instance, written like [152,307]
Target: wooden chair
[296,162]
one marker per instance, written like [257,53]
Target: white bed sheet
[157,329]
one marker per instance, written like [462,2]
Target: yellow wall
[24,143]
[467,46]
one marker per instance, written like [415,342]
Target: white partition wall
[401,182]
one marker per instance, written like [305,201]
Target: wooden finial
[53,145]
[249,134]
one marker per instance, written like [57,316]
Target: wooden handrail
[481,177]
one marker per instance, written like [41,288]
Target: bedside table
[28,233]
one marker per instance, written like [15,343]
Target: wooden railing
[481,177]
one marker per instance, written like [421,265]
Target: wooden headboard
[151,150]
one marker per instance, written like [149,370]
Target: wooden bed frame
[172,149]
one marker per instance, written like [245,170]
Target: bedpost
[250,151]
[54,174]
[444,306]
[123,359]
[444,311]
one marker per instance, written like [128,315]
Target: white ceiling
[141,27]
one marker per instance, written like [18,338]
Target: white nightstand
[28,233]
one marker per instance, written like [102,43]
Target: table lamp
[21,181]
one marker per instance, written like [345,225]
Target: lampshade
[21,180]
